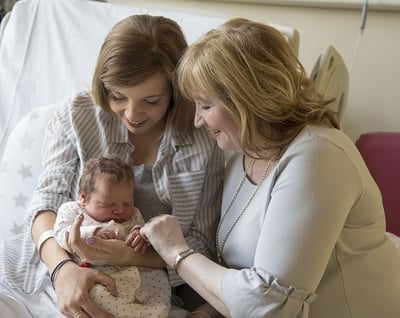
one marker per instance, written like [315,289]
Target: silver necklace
[221,246]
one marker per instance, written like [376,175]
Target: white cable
[363,22]
[357,48]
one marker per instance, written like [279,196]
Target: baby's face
[111,200]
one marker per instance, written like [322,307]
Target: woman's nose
[131,110]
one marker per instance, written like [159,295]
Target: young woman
[302,230]
[133,112]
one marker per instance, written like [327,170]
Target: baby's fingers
[140,246]
[129,239]
[144,247]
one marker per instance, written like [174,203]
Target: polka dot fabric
[142,292]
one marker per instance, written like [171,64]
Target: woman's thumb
[91,240]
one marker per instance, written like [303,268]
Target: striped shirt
[187,176]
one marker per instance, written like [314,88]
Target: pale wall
[374,98]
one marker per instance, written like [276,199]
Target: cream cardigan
[312,242]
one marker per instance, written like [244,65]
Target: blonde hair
[135,49]
[252,69]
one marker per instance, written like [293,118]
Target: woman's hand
[164,233]
[98,251]
[108,252]
[72,286]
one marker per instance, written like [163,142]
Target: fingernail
[79,216]
[90,240]
[115,293]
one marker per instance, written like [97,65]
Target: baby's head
[106,190]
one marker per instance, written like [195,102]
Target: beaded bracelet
[57,268]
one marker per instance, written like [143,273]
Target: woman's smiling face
[143,108]
[211,113]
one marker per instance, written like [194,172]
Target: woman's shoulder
[80,110]
[326,144]
[74,105]
[78,102]
[312,136]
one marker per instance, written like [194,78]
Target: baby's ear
[83,198]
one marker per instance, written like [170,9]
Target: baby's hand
[136,241]
[105,234]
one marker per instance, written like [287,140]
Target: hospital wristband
[43,238]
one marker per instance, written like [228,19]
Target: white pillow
[20,168]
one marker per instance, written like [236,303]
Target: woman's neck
[258,169]
[146,145]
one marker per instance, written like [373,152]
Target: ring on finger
[78,313]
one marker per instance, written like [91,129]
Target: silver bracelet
[181,256]
[43,238]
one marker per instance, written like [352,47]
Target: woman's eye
[152,101]
[117,97]
[204,107]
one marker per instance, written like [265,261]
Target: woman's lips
[136,124]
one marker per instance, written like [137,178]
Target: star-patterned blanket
[19,169]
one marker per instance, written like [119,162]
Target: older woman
[302,229]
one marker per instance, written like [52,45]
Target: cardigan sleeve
[261,295]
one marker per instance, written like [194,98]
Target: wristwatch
[182,255]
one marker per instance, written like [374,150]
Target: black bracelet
[57,268]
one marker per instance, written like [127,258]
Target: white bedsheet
[49,50]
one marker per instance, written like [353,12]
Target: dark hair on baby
[103,165]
